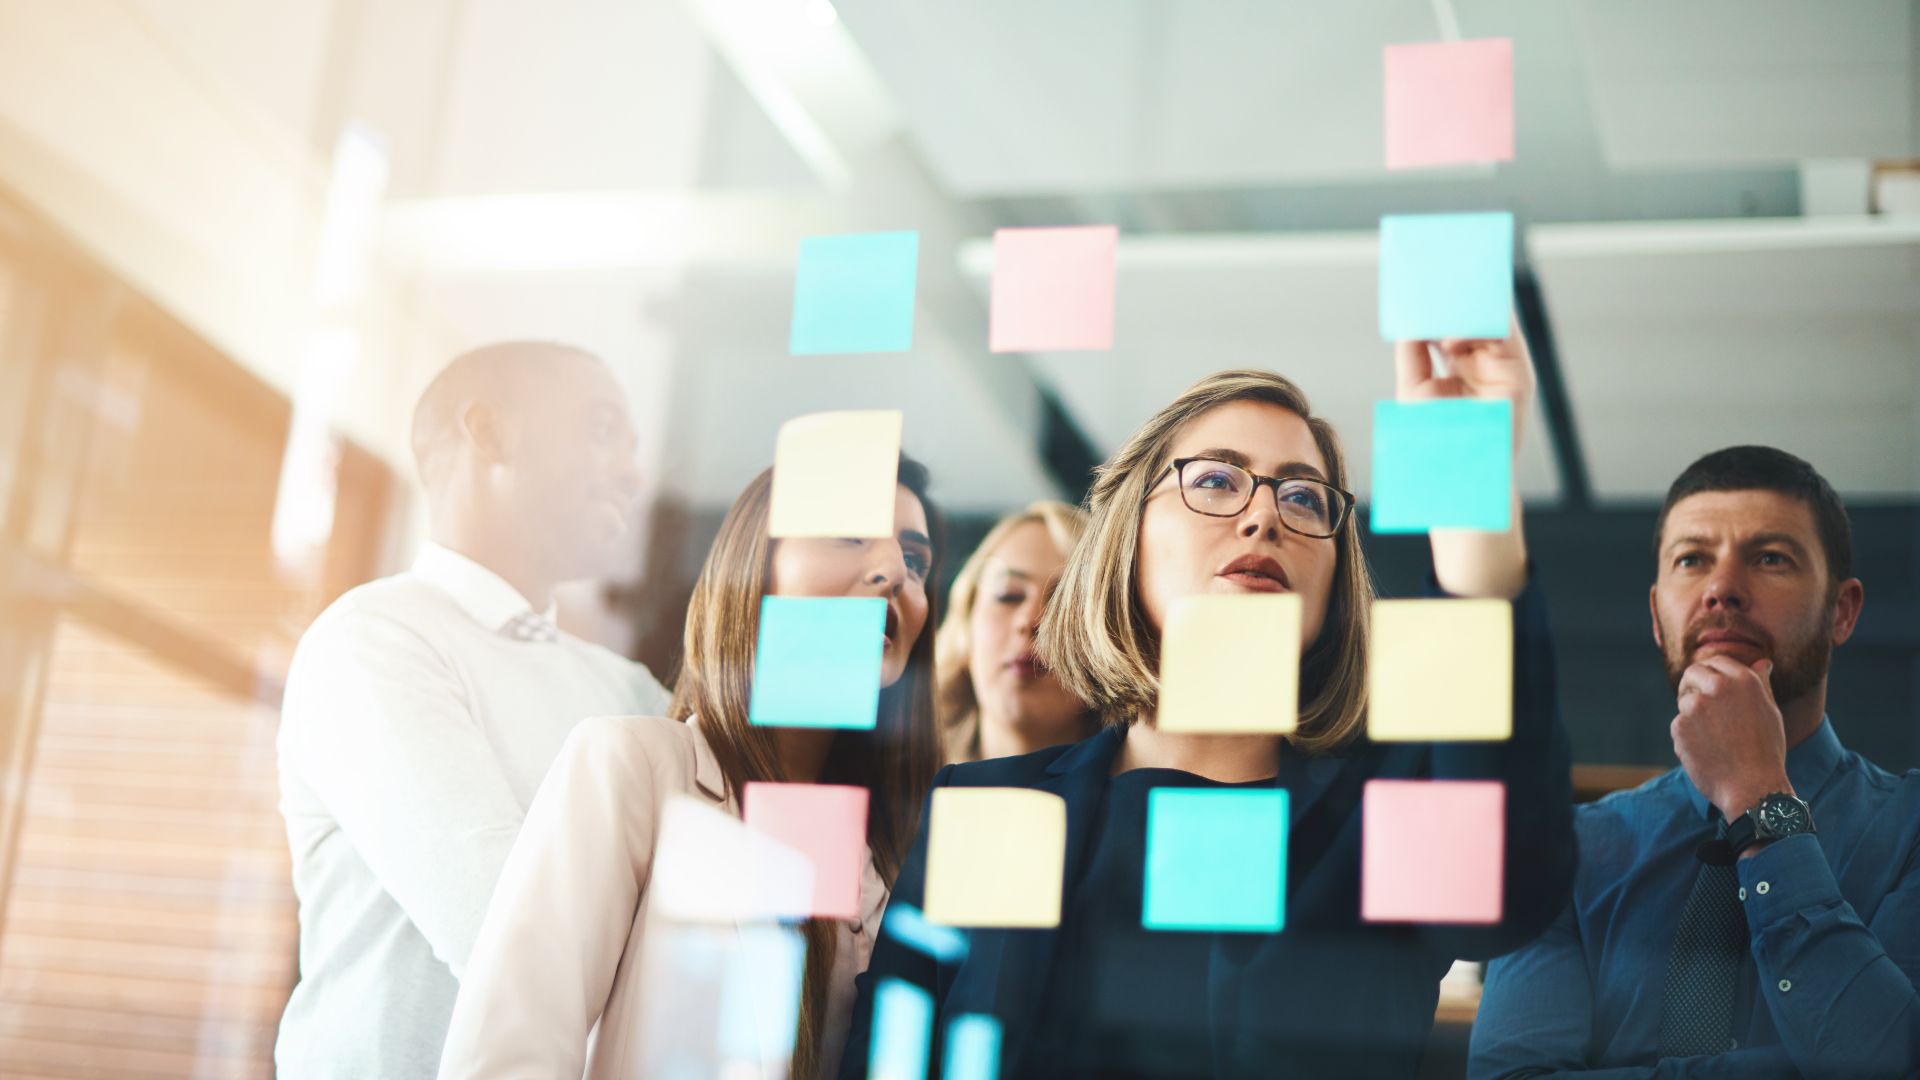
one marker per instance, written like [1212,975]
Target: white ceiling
[1237,142]
[1677,340]
[1010,97]
[1749,80]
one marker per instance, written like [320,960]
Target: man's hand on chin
[1729,735]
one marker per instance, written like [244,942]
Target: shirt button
[1733,1044]
[1762,888]
[1786,985]
[1743,892]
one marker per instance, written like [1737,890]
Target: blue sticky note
[1442,465]
[818,663]
[854,293]
[946,944]
[1446,276]
[1216,860]
[902,1028]
[973,1048]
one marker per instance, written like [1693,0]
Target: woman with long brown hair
[555,983]
[1237,488]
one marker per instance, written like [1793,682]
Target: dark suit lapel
[1078,776]
[1322,792]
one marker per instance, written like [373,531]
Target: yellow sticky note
[995,857]
[1440,670]
[1231,664]
[834,474]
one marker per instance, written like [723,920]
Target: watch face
[1783,816]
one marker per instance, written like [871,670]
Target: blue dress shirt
[1828,987]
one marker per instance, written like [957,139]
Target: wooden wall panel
[149,928]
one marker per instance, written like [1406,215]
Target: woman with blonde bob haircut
[1174,953]
[992,693]
[556,980]
[1100,640]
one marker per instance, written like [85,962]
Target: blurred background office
[238,236]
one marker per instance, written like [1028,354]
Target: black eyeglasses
[1222,489]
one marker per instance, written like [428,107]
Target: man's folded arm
[1842,993]
[1536,1021]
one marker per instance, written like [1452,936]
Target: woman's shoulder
[615,732]
[632,744]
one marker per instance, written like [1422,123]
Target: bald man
[422,710]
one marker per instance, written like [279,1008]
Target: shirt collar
[706,767]
[1809,766]
[484,595]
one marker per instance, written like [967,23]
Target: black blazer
[1326,996]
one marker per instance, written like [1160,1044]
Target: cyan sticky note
[853,293]
[1444,464]
[973,1048]
[946,944]
[1446,276]
[902,1029]
[818,662]
[1216,860]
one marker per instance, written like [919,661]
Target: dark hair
[1763,468]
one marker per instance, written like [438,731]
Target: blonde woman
[992,694]
[554,982]
[1237,487]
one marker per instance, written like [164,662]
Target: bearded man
[1756,911]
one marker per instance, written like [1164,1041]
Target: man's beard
[1798,666]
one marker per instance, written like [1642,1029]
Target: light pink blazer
[553,985]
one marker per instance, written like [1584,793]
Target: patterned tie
[529,626]
[1704,970]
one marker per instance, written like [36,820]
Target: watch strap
[1741,833]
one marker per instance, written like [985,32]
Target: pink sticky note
[1432,851]
[1053,289]
[827,823]
[1449,103]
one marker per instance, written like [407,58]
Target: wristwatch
[1776,816]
